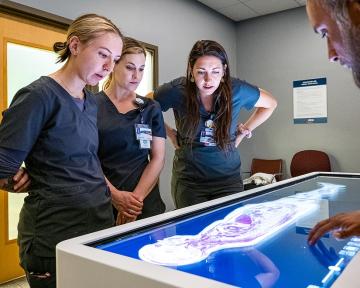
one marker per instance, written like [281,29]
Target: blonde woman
[132,138]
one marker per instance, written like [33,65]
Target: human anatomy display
[243,227]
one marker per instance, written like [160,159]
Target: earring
[192,79]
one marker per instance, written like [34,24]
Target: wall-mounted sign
[310,101]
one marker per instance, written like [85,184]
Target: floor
[18,283]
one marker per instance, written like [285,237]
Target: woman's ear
[74,45]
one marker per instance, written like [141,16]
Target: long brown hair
[222,95]
[131,46]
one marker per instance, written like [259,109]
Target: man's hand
[343,225]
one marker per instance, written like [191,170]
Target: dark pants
[153,204]
[186,194]
[40,271]
[203,173]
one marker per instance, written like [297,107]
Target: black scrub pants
[40,271]
[153,204]
[186,193]
[203,173]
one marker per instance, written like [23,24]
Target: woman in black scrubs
[51,125]
[132,138]
[206,107]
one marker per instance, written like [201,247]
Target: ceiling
[238,10]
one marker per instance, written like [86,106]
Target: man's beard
[352,45]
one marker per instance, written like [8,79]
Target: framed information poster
[310,101]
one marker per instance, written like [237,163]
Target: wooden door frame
[34,15]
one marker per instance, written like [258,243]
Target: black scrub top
[122,160]
[68,196]
[196,163]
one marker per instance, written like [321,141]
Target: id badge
[143,132]
[143,135]
[207,137]
[144,144]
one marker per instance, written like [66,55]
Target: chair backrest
[309,161]
[267,166]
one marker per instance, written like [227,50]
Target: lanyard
[140,104]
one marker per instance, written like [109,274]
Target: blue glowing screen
[271,253]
